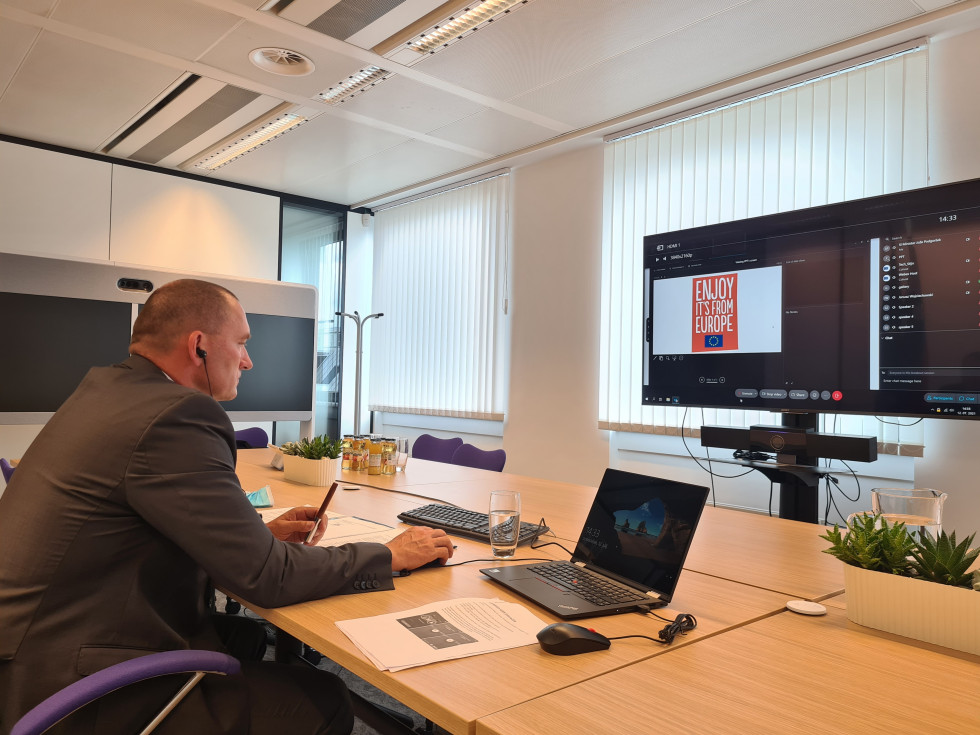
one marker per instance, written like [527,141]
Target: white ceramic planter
[310,471]
[936,613]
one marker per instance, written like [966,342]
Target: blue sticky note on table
[261,498]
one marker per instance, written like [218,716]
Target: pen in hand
[320,514]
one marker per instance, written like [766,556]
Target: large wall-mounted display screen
[62,317]
[869,306]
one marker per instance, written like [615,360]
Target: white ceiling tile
[403,165]
[714,50]
[183,28]
[928,5]
[316,149]
[409,104]
[550,39]
[493,131]
[38,7]
[15,41]
[75,94]
[232,53]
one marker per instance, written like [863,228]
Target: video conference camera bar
[792,445]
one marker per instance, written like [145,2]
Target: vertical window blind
[854,133]
[439,279]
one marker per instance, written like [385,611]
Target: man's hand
[293,525]
[419,545]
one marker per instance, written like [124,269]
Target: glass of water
[505,523]
[921,510]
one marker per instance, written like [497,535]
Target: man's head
[195,332]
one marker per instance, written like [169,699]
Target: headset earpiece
[202,353]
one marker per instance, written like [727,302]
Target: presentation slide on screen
[739,311]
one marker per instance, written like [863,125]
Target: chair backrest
[6,469]
[470,456]
[427,446]
[254,437]
[74,696]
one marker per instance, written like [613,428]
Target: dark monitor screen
[282,349]
[869,306]
[50,342]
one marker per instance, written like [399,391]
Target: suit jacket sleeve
[181,480]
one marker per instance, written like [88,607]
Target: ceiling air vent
[281,61]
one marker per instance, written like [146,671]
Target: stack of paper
[441,631]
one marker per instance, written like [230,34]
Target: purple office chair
[438,450]
[6,469]
[470,456]
[75,696]
[252,438]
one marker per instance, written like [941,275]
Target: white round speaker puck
[805,607]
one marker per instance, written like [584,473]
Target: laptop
[632,547]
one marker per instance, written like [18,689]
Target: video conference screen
[870,306]
[50,342]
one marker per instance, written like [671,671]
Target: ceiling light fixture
[353,85]
[456,27]
[241,145]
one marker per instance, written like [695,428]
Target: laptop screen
[640,529]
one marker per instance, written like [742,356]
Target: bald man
[127,506]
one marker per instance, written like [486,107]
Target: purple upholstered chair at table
[74,696]
[438,450]
[6,469]
[470,456]
[252,438]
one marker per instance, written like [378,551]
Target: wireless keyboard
[462,522]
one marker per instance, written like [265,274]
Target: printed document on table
[441,631]
[343,529]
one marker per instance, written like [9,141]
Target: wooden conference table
[741,570]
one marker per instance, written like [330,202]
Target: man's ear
[195,347]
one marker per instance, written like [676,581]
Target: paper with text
[441,631]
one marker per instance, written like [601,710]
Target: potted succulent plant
[918,587]
[311,461]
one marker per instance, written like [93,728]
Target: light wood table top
[773,553]
[455,694]
[785,674]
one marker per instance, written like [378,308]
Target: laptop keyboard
[596,589]
[462,522]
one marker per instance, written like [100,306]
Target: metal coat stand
[357,363]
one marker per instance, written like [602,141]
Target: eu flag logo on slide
[714,341]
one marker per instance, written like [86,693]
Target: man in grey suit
[127,505]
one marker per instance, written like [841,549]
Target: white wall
[950,464]
[183,224]
[62,205]
[556,258]
[53,204]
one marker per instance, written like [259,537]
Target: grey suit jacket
[119,513]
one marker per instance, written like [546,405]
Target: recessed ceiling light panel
[282,61]
[469,20]
[353,85]
[257,137]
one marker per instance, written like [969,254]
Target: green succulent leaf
[871,543]
[319,447]
[944,561]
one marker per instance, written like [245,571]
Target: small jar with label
[374,457]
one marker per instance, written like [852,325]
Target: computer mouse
[566,639]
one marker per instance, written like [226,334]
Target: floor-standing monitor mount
[798,448]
